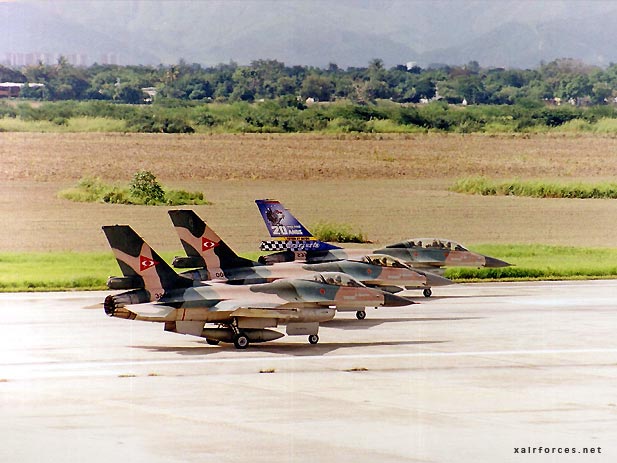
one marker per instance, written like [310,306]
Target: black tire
[360,314]
[427,292]
[241,341]
[313,339]
[213,342]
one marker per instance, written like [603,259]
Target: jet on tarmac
[241,314]
[294,242]
[218,262]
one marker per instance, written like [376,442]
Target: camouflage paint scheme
[242,313]
[439,253]
[219,263]
[430,253]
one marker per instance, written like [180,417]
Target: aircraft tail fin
[137,259]
[287,231]
[280,222]
[203,246]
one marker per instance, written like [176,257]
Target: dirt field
[390,187]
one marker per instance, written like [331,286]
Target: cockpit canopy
[428,243]
[337,279]
[384,261]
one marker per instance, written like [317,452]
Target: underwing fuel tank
[254,335]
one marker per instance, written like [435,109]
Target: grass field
[535,189]
[387,187]
[89,270]
[536,261]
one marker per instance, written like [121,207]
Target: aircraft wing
[284,314]
[247,309]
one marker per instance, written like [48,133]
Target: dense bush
[343,117]
[148,122]
[337,233]
[145,187]
[143,190]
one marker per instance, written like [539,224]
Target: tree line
[560,81]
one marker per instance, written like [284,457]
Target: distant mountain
[520,45]
[315,32]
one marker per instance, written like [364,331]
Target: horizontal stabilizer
[296,245]
[150,310]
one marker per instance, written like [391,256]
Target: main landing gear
[241,341]
[313,339]
[360,314]
[427,292]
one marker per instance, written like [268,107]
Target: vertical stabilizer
[280,222]
[202,245]
[136,258]
[288,233]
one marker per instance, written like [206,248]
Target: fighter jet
[218,262]
[294,242]
[241,314]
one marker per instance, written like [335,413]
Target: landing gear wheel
[213,342]
[427,292]
[360,314]
[241,341]
[313,339]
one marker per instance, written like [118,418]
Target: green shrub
[575,125]
[7,111]
[206,118]
[145,187]
[605,125]
[60,121]
[346,125]
[337,233]
[182,197]
[116,196]
[149,122]
[144,190]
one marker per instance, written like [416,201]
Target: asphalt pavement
[477,373]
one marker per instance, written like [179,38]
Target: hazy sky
[315,32]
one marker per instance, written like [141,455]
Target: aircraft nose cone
[436,280]
[392,300]
[491,262]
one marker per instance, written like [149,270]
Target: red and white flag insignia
[207,244]
[145,263]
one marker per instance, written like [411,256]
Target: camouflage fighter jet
[241,314]
[293,241]
[218,262]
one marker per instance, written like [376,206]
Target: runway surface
[469,375]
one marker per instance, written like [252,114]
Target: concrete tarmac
[477,373]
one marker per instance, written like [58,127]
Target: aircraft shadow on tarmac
[424,300]
[294,349]
[353,324]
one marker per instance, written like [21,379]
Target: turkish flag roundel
[145,263]
[207,244]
